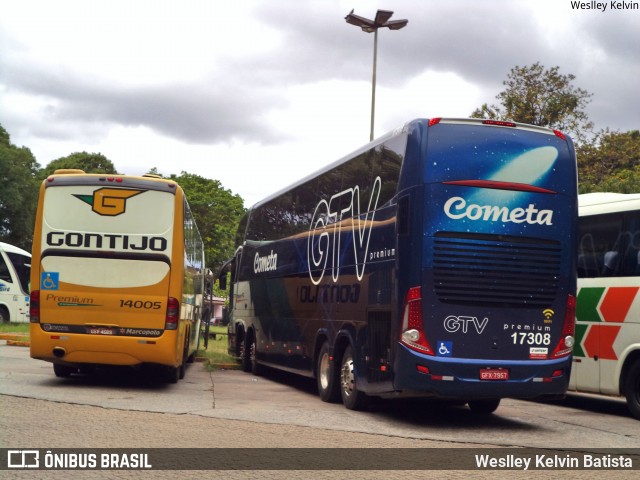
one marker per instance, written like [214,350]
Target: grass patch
[22,328]
[216,354]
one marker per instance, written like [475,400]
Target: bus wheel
[352,398]
[632,390]
[4,315]
[182,369]
[255,367]
[63,371]
[243,354]
[172,374]
[327,376]
[484,406]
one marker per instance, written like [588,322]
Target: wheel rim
[252,352]
[324,371]
[347,380]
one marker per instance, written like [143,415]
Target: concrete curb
[16,339]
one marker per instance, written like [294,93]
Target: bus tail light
[498,123]
[565,345]
[412,323]
[34,306]
[173,314]
[559,134]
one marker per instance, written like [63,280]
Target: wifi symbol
[548,313]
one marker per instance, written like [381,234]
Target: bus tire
[327,376]
[63,371]
[255,367]
[4,314]
[484,406]
[352,398]
[172,374]
[632,390]
[182,369]
[245,360]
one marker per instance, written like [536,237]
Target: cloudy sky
[259,93]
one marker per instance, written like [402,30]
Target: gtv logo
[329,218]
[454,324]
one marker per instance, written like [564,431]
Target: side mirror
[222,281]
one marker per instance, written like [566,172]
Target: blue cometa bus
[437,261]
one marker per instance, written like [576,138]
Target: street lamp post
[372,26]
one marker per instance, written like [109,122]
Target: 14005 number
[140,304]
[531,338]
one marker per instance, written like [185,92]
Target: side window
[22,266]
[600,244]
[631,258]
[5,276]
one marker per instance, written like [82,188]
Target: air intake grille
[495,270]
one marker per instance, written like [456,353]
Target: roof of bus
[402,129]
[79,177]
[12,249]
[607,202]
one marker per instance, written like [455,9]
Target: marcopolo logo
[109,202]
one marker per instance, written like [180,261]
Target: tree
[18,192]
[542,97]
[217,212]
[610,162]
[89,162]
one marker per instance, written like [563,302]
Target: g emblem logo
[109,201]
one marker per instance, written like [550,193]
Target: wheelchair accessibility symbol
[49,281]
[445,349]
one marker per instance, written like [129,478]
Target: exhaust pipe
[59,352]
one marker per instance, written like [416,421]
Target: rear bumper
[460,378]
[106,350]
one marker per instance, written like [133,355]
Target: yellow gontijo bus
[117,273]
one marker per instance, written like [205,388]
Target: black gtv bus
[435,261]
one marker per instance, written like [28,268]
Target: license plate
[100,331]
[494,374]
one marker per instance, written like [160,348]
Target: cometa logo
[109,202]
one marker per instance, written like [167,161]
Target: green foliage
[607,161]
[543,97]
[216,355]
[89,162]
[217,212]
[18,192]
[14,327]
[610,162]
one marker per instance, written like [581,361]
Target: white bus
[606,356]
[15,265]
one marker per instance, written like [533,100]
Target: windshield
[22,265]
[107,236]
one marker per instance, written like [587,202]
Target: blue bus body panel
[497,261]
[481,218]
